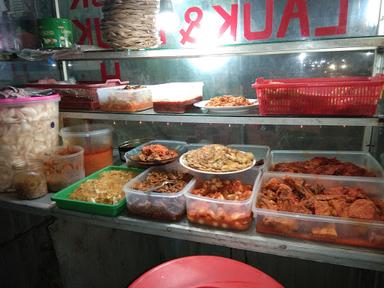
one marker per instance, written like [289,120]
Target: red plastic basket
[353,96]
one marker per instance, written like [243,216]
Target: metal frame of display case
[249,240]
[248,119]
[85,52]
[372,259]
[376,43]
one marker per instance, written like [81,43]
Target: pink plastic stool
[204,272]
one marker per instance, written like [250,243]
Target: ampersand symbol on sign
[192,24]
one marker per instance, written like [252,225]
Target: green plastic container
[55,33]
[62,200]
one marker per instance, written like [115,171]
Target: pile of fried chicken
[295,195]
[324,166]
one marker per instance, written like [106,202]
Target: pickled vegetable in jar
[6,176]
[29,179]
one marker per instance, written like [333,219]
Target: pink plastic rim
[30,99]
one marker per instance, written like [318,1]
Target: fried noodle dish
[107,189]
[156,152]
[228,101]
[218,158]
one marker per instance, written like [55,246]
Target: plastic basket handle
[116,81]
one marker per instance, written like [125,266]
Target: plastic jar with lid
[29,179]
[96,139]
[28,127]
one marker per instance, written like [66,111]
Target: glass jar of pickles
[29,179]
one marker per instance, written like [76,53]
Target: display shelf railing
[242,119]
[247,240]
[281,47]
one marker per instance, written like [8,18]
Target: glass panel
[230,75]
[277,137]
[18,25]
[274,20]
[20,72]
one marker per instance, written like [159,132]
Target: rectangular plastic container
[362,159]
[259,151]
[353,96]
[330,229]
[160,206]
[121,99]
[176,97]
[64,202]
[78,96]
[226,214]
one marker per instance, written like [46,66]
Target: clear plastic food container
[125,100]
[161,206]
[96,139]
[362,159]
[28,127]
[227,214]
[64,166]
[176,97]
[348,231]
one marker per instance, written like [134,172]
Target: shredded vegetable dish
[107,189]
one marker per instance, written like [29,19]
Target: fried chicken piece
[284,191]
[299,186]
[282,225]
[323,208]
[338,190]
[273,184]
[339,206]
[380,205]
[363,209]
[266,203]
[328,230]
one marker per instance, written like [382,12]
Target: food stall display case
[349,56]
[247,240]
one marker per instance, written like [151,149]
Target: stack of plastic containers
[156,205]
[227,214]
[349,229]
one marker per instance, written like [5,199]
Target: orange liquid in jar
[97,160]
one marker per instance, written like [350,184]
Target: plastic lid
[85,130]
[30,99]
